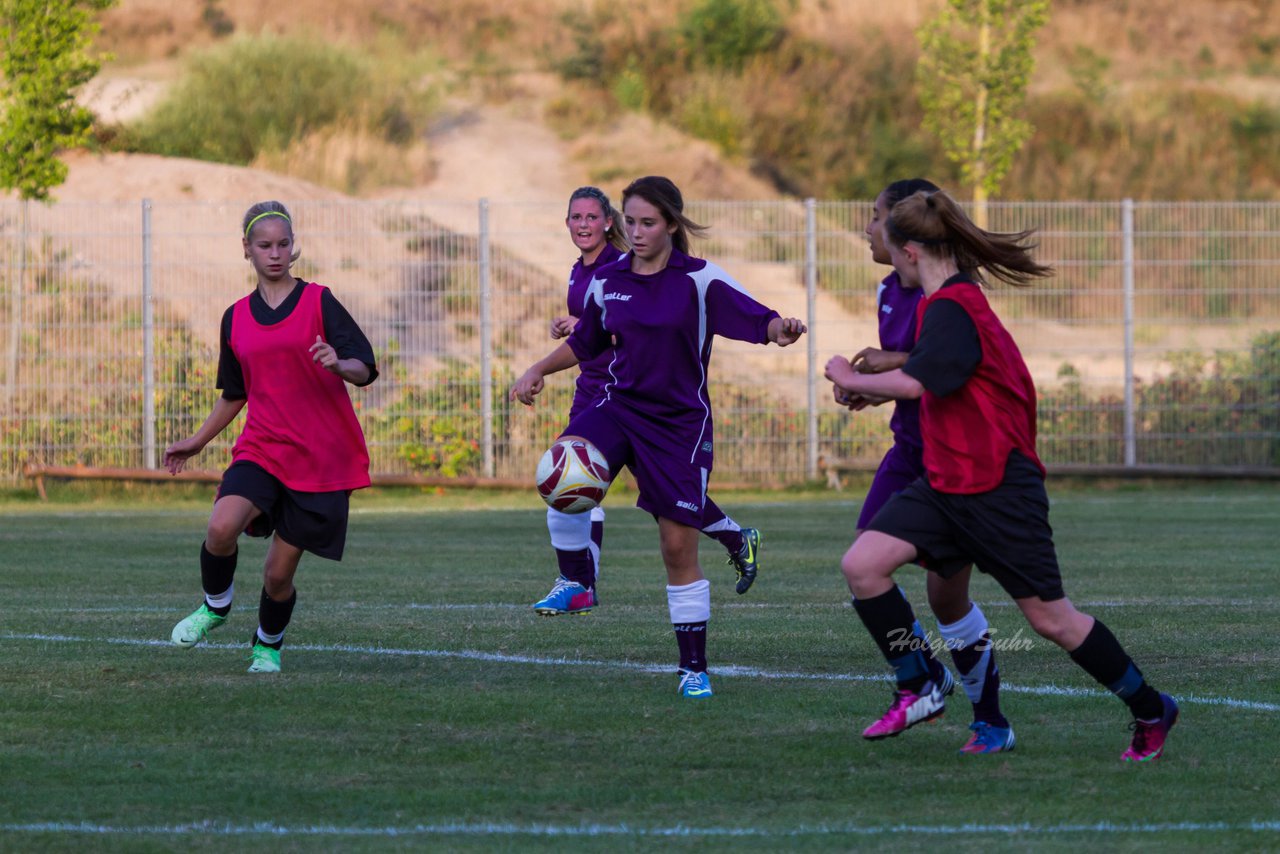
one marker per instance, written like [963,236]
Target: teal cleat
[694,685]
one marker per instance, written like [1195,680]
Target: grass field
[423,704]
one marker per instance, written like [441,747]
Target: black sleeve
[948,350]
[345,335]
[230,374]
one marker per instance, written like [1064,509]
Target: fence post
[148,346]
[1130,438]
[811,319]
[18,284]
[486,347]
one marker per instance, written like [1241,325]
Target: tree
[972,75]
[43,60]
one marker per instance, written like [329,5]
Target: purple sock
[692,638]
[577,566]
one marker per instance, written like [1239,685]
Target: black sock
[1104,659]
[889,619]
[216,574]
[692,638]
[273,618]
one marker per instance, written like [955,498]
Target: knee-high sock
[690,608]
[273,618]
[717,525]
[1102,657]
[217,578]
[893,626]
[971,649]
[597,536]
[571,538]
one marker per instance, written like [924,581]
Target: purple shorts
[672,480]
[899,468]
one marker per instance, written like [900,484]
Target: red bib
[300,425]
[969,434]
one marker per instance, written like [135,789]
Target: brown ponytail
[936,222]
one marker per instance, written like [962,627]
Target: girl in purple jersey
[961,623]
[577,537]
[659,309]
[982,500]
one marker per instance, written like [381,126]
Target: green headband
[248,228]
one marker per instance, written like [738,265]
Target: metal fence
[1157,344]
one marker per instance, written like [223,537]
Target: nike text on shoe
[1148,738]
[747,560]
[190,631]
[264,659]
[693,684]
[566,597]
[988,739]
[907,710]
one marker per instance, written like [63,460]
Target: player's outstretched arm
[786,330]
[224,412]
[531,381]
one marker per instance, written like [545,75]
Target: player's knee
[1049,626]
[221,536]
[860,574]
[279,587]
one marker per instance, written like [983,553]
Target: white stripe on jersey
[702,280]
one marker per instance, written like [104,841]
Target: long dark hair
[899,190]
[613,233]
[936,222]
[664,195]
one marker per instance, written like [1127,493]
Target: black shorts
[1004,532]
[313,521]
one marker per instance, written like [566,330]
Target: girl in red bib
[287,351]
[982,498]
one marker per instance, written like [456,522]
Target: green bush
[727,33]
[254,95]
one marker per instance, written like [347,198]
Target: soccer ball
[573,476]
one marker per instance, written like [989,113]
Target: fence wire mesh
[1157,344]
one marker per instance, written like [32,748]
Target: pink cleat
[1148,738]
[907,710]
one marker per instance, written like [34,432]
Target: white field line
[1255,604]
[731,670]
[213,828]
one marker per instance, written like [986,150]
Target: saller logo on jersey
[688,505]
[618,296]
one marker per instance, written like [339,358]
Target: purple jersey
[594,373]
[896,310]
[663,325]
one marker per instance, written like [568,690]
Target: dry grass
[353,160]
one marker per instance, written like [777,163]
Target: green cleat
[264,659]
[193,629]
[747,560]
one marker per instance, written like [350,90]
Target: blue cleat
[694,684]
[988,738]
[566,597]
